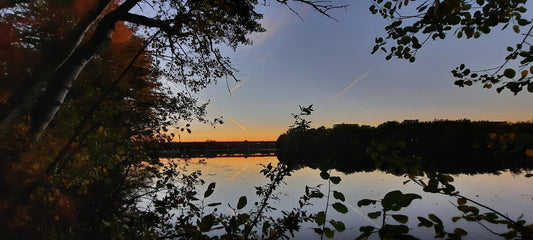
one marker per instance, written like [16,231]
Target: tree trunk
[62,78]
[20,102]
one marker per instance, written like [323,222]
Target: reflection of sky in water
[508,193]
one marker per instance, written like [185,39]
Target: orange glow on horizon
[228,133]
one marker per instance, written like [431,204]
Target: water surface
[506,192]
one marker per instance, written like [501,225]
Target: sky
[329,64]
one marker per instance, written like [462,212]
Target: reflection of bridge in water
[218,149]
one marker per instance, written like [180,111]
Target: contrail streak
[238,124]
[255,66]
[264,57]
[211,106]
[236,174]
[231,119]
[238,85]
[362,215]
[349,86]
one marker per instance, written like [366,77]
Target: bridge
[218,149]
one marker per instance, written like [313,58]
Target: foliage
[392,201]
[441,184]
[321,218]
[412,26]
[300,123]
[460,146]
[184,215]
[85,65]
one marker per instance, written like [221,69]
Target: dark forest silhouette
[412,146]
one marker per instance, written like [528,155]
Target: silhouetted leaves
[335,179]
[324,175]
[395,200]
[374,215]
[210,190]
[338,195]
[365,202]
[338,225]
[340,207]
[242,202]
[320,218]
[440,19]
[400,218]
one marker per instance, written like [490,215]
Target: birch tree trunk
[21,100]
[63,77]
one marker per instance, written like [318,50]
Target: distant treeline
[215,149]
[446,146]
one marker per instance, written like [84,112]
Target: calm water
[508,193]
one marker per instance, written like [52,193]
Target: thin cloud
[349,86]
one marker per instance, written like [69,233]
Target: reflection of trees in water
[411,147]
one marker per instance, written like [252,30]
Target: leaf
[516,29]
[374,215]
[338,225]
[395,200]
[324,175]
[509,73]
[338,195]
[213,204]
[210,190]
[243,217]
[193,207]
[400,218]
[459,231]
[242,202]
[424,222]
[335,180]
[266,226]
[366,229]
[365,202]
[530,87]
[529,175]
[316,195]
[206,223]
[320,218]
[393,230]
[461,201]
[466,209]
[329,233]
[340,207]
[524,73]
[435,219]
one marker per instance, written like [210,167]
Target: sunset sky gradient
[328,64]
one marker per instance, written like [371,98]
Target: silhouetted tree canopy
[412,146]
[186,44]
[413,23]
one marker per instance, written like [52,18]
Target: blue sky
[314,60]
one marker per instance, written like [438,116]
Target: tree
[94,67]
[189,35]
[74,195]
[410,28]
